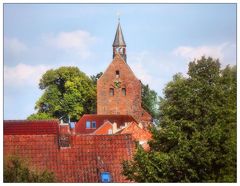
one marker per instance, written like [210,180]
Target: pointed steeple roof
[119,40]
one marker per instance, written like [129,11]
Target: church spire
[119,45]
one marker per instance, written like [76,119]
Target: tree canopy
[94,78]
[196,141]
[68,92]
[150,101]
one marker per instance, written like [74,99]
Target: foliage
[40,116]
[68,92]
[94,78]
[150,101]
[16,171]
[196,141]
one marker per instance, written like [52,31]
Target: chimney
[114,127]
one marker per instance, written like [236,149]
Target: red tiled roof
[83,161]
[28,127]
[138,133]
[103,129]
[100,119]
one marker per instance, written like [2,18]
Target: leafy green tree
[94,78]
[68,92]
[40,116]
[17,171]
[196,141]
[150,101]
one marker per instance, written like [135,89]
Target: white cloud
[150,69]
[23,75]
[157,69]
[78,41]
[14,45]
[190,53]
[137,65]
[14,49]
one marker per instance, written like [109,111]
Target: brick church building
[98,143]
[118,95]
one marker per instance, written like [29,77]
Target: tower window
[124,91]
[111,92]
[117,74]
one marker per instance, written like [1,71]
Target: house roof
[138,133]
[103,129]
[83,161]
[100,119]
[29,127]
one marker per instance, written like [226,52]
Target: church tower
[118,89]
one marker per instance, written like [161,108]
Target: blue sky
[161,40]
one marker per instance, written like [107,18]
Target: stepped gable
[30,127]
[100,119]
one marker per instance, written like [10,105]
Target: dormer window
[93,124]
[88,124]
[117,74]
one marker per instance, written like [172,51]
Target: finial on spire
[118,15]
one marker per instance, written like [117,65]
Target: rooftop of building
[30,127]
[99,120]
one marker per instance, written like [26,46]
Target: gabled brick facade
[119,91]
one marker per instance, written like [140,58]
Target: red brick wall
[119,104]
[77,163]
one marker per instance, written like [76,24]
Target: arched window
[111,92]
[124,91]
[117,74]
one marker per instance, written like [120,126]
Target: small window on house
[111,92]
[124,91]
[94,124]
[88,124]
[117,74]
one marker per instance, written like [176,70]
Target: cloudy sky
[161,40]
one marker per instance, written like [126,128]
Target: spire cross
[118,15]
